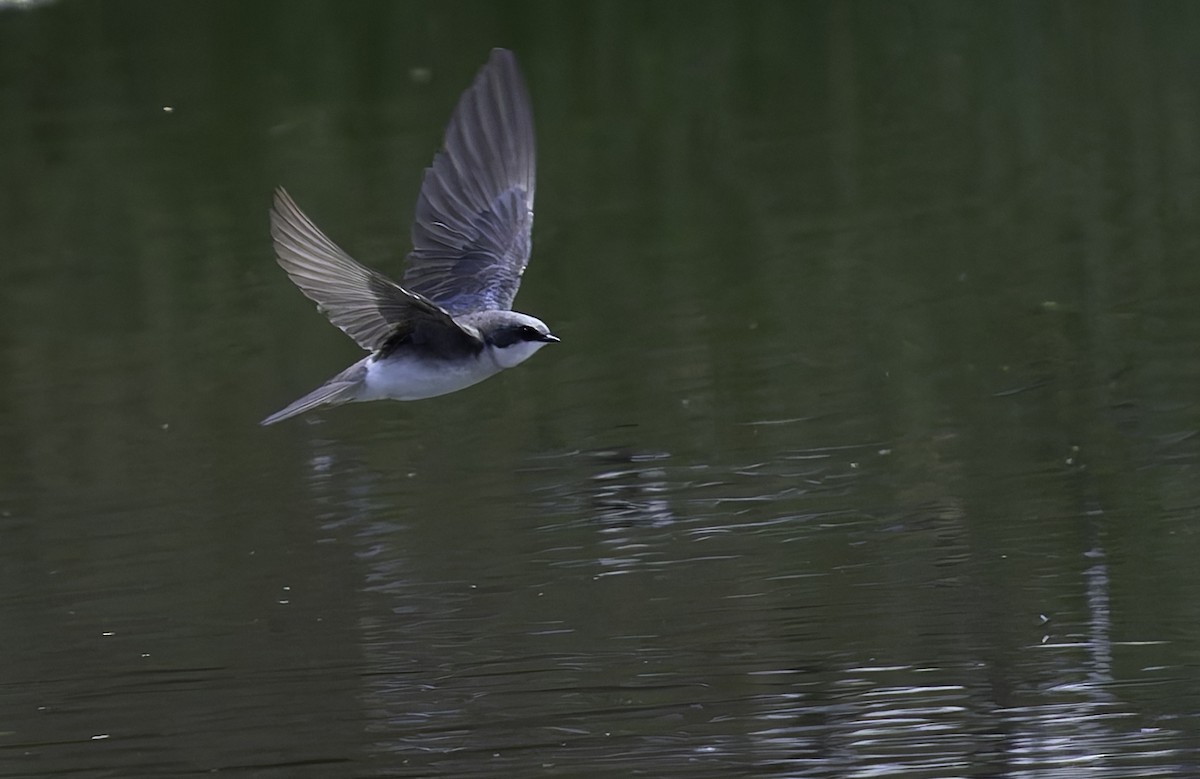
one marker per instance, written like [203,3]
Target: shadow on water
[870,449]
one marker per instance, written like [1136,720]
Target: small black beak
[550,338]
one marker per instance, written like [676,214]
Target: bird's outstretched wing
[474,216]
[368,306]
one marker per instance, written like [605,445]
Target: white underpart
[411,379]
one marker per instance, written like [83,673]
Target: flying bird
[449,323]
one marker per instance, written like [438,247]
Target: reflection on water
[870,450]
[673,614]
[630,490]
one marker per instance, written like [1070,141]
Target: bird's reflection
[627,487]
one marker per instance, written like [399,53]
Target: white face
[517,353]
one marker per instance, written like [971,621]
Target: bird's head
[514,337]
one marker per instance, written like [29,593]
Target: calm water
[871,448]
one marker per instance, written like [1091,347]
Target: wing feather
[474,217]
[366,305]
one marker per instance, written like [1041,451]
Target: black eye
[528,333]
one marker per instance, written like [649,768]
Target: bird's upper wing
[368,306]
[474,216]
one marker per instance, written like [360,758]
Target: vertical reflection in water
[1096,587]
[629,492]
[1081,723]
[625,495]
[347,500]
[352,507]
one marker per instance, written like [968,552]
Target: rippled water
[870,449]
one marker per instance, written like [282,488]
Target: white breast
[398,378]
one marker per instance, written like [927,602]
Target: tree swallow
[451,324]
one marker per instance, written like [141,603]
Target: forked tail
[343,388]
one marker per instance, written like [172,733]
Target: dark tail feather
[335,392]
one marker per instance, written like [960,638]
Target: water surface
[871,448]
